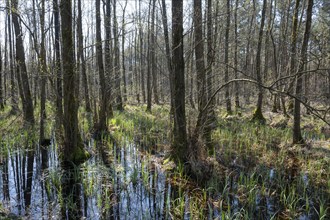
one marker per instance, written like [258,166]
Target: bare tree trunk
[168,52]
[102,122]
[200,67]
[293,51]
[258,116]
[57,66]
[297,137]
[20,58]
[153,53]
[179,146]
[227,96]
[81,57]
[210,49]
[2,106]
[237,105]
[73,150]
[141,56]
[123,54]
[149,91]
[44,72]
[108,56]
[119,101]
[13,92]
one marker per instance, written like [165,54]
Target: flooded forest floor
[256,172]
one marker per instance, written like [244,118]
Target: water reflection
[117,183]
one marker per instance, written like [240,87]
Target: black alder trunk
[20,59]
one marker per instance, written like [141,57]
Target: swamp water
[121,183]
[35,186]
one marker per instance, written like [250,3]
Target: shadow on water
[116,183]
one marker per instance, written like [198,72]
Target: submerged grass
[257,172]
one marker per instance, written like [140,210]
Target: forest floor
[257,173]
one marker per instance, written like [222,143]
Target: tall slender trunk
[20,58]
[142,62]
[123,54]
[149,55]
[258,116]
[227,95]
[293,50]
[81,57]
[119,101]
[43,73]
[13,92]
[297,137]
[2,106]
[237,104]
[168,52]
[102,122]
[107,56]
[153,53]
[57,66]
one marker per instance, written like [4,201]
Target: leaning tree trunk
[258,116]
[20,58]
[179,146]
[297,137]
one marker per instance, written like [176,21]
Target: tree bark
[149,91]
[227,96]
[102,122]
[123,54]
[108,56]
[81,57]
[179,146]
[43,73]
[2,106]
[258,116]
[297,137]
[73,150]
[57,66]
[237,103]
[142,62]
[153,53]
[119,101]
[20,58]
[13,92]
[168,52]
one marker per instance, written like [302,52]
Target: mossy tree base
[258,117]
[76,156]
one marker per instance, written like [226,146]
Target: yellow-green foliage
[136,122]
